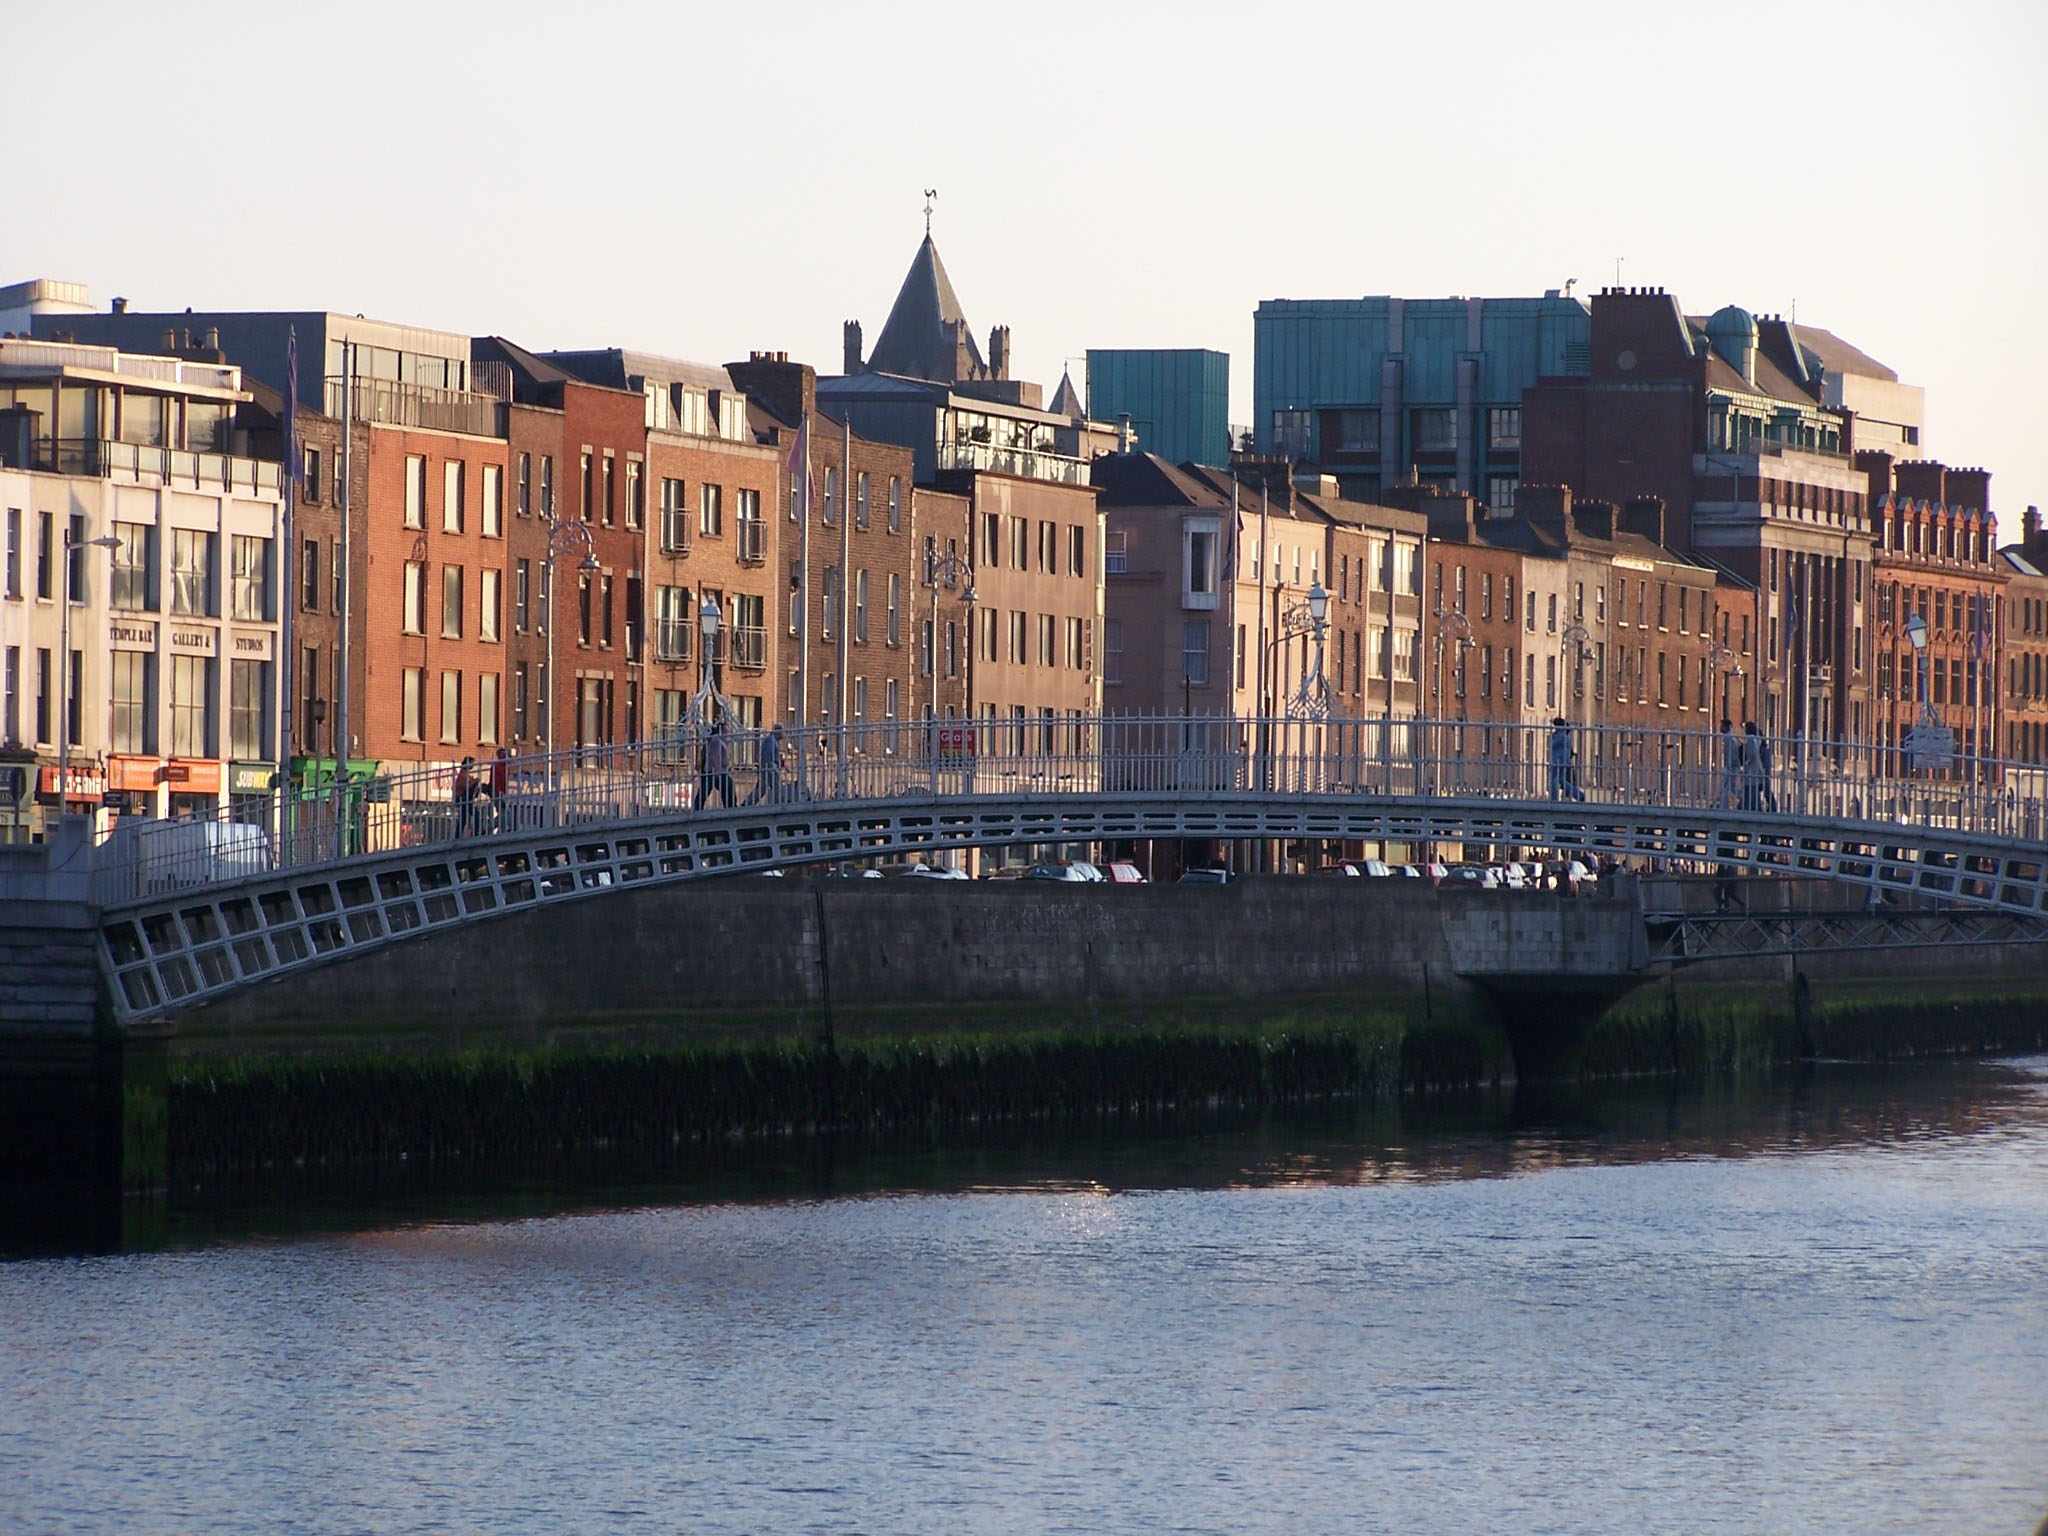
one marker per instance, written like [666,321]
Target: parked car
[1374,869]
[1347,869]
[1069,874]
[1210,876]
[1122,872]
[1510,877]
[932,872]
[1579,879]
[1087,871]
[1471,877]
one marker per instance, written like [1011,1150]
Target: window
[451,496]
[1198,565]
[830,511]
[524,494]
[309,575]
[491,507]
[860,499]
[675,517]
[487,707]
[46,554]
[43,693]
[519,700]
[860,698]
[192,572]
[1020,543]
[131,583]
[1352,431]
[860,606]
[1048,640]
[1113,552]
[829,588]
[672,622]
[1112,650]
[895,503]
[749,645]
[1020,638]
[583,608]
[411,726]
[191,706]
[451,602]
[894,633]
[1434,430]
[309,476]
[992,541]
[415,490]
[451,707]
[711,511]
[251,596]
[335,571]
[248,709]
[753,543]
[611,487]
[1194,652]
[131,686]
[547,485]
[589,508]
[522,595]
[13,582]
[1072,656]
[1291,433]
[489,603]
[604,589]
[1551,616]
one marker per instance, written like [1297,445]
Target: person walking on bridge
[715,772]
[1731,766]
[1564,784]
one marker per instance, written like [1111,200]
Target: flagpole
[287,546]
[340,735]
[845,685]
[803,580]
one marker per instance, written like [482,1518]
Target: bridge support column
[82,1109]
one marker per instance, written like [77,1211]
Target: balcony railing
[173,467]
[1031,463]
[389,402]
[752,540]
[749,648]
[672,640]
[675,531]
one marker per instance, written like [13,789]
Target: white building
[171,682]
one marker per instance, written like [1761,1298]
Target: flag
[1791,619]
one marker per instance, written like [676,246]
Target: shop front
[164,786]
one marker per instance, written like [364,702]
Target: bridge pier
[82,1100]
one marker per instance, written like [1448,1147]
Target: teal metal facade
[1178,400]
[1314,360]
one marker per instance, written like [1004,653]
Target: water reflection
[1818,1108]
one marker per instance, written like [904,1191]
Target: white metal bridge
[196,908]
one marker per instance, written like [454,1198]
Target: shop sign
[132,634]
[250,778]
[1930,746]
[253,644]
[193,775]
[193,641]
[13,783]
[86,783]
[956,741]
[141,773]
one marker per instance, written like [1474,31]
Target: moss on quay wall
[237,1117]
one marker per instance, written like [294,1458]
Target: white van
[144,856]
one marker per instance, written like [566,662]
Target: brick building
[1937,558]
[2023,637]
[1740,427]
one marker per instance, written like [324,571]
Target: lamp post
[561,535]
[948,568]
[71,546]
[1312,698]
[709,617]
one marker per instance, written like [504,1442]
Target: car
[1067,874]
[1123,872]
[1209,876]
[1434,872]
[1374,869]
[1088,871]
[1580,880]
[1347,868]
[1471,877]
[1510,877]
[932,872]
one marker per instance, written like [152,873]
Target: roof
[618,368]
[533,374]
[1837,356]
[2014,555]
[1066,400]
[1147,480]
[917,338]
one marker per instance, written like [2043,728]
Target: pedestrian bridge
[193,910]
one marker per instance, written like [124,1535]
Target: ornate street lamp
[709,617]
[561,535]
[104,541]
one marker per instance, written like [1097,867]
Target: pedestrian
[1767,796]
[501,782]
[1563,782]
[465,797]
[769,785]
[1724,888]
[1752,768]
[714,775]
[1731,765]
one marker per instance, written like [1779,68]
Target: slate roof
[1066,400]
[915,339]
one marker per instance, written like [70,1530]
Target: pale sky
[706,180]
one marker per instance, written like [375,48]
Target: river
[1819,1304]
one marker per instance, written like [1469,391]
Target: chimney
[1545,506]
[1123,432]
[1924,480]
[851,332]
[170,340]
[1644,515]
[2030,533]
[999,352]
[1594,519]
[120,305]
[210,338]
[1970,488]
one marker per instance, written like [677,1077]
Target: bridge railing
[691,770]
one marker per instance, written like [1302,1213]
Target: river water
[1816,1305]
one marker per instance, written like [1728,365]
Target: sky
[709,180]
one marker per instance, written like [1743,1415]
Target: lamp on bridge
[709,616]
[1916,632]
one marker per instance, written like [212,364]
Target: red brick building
[2023,636]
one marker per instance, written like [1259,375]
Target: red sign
[86,783]
[956,741]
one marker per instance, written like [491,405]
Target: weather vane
[929,194]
